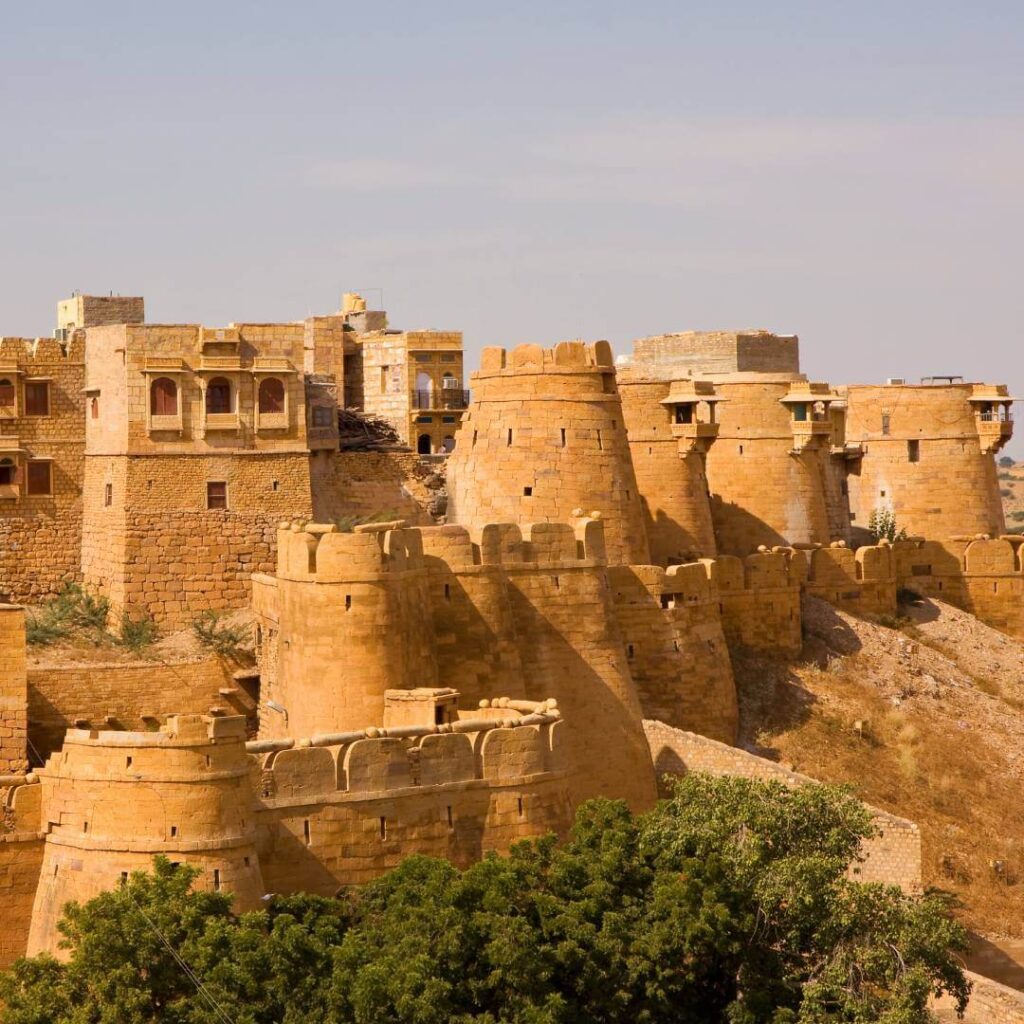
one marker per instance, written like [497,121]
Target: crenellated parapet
[861,580]
[982,575]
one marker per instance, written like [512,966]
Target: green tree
[729,902]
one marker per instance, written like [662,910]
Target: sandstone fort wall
[396,606]
[130,697]
[13,719]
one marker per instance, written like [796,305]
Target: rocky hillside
[1011,485]
[924,715]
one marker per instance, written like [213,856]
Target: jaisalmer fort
[476,599]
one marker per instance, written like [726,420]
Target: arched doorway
[423,446]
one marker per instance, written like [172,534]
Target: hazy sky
[531,171]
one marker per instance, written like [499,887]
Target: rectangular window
[447,419]
[384,374]
[108,495]
[323,416]
[39,478]
[216,494]
[885,423]
[423,357]
[37,398]
[424,419]
[914,451]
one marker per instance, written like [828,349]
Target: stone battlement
[564,357]
[371,762]
[319,553]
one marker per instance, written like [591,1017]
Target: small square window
[323,416]
[37,398]
[527,492]
[39,478]
[216,494]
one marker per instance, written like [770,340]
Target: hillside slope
[925,716]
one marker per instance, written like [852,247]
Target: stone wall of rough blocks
[111,801]
[984,577]
[892,856]
[157,550]
[40,535]
[21,857]
[672,628]
[13,695]
[990,1003]
[131,697]
[861,581]
[760,599]
[391,484]
[762,494]
[951,489]
[544,440]
[341,815]
[673,486]
[400,608]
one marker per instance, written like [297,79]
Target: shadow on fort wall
[732,522]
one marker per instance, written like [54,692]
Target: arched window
[218,395]
[94,408]
[6,394]
[7,472]
[163,397]
[271,395]
[423,445]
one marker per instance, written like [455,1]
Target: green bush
[136,634]
[211,631]
[73,609]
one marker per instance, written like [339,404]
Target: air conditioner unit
[60,334]
[450,384]
[896,380]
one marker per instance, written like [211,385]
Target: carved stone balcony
[694,437]
[813,433]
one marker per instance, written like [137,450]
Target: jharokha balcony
[440,398]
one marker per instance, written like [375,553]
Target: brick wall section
[893,856]
[951,489]
[672,628]
[58,695]
[544,440]
[371,484]
[760,599]
[13,696]
[41,535]
[21,857]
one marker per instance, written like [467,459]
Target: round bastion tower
[112,801]
[544,439]
[928,455]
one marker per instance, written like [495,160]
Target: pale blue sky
[531,171]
